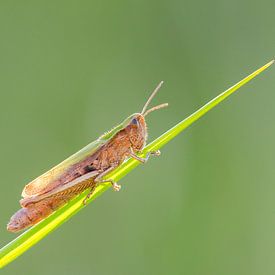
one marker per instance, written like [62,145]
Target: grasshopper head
[136,129]
[136,125]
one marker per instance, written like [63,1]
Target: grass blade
[30,237]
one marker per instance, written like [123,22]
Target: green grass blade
[30,237]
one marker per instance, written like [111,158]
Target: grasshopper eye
[134,121]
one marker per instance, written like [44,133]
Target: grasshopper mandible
[85,169]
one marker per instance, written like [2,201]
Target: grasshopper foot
[116,186]
[86,199]
[88,196]
[155,153]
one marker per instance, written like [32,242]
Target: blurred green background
[71,70]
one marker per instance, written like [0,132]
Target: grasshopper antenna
[144,112]
[155,108]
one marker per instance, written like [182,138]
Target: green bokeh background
[71,70]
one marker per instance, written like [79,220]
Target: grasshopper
[84,170]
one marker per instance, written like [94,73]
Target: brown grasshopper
[85,169]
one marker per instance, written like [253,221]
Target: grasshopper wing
[64,172]
[68,170]
[67,190]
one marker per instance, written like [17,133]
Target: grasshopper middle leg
[99,179]
[148,154]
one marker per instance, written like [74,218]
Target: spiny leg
[92,189]
[116,186]
[148,154]
[98,180]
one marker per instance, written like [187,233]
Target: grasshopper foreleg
[148,154]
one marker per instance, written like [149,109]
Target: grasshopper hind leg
[92,189]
